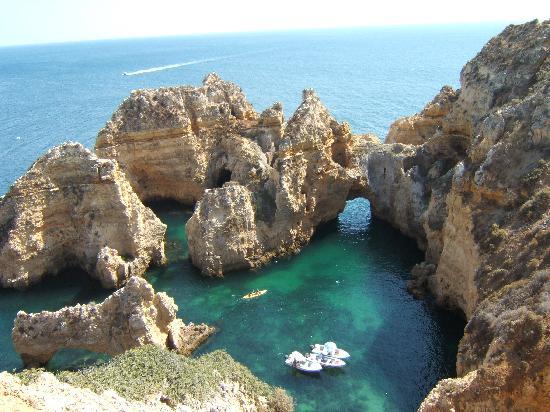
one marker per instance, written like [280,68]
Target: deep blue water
[368,77]
[349,284]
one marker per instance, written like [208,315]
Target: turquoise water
[348,285]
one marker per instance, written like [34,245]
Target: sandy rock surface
[132,316]
[469,179]
[72,208]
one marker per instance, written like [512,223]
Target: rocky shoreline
[468,178]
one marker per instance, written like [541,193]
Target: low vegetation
[147,371]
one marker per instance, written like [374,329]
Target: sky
[48,21]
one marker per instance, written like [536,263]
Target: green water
[348,285]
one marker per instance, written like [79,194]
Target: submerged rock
[72,208]
[469,179]
[132,316]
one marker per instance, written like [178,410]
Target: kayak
[255,294]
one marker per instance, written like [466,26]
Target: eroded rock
[172,142]
[472,187]
[262,185]
[132,316]
[72,208]
[248,222]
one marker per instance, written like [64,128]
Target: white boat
[298,361]
[326,361]
[329,349]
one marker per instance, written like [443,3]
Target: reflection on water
[348,285]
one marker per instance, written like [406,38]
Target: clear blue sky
[45,21]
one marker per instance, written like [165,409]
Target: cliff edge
[469,179]
[72,208]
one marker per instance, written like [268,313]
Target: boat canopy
[330,347]
[297,356]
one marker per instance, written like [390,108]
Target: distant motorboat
[326,361]
[255,294]
[298,361]
[125,73]
[329,349]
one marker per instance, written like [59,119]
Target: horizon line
[274,31]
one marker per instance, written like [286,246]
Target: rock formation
[132,316]
[469,179]
[176,142]
[47,393]
[73,209]
[307,182]
[266,184]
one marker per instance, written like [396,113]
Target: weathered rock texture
[176,142]
[73,209]
[469,179]
[132,316]
[307,182]
[46,393]
[263,184]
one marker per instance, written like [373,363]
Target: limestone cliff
[176,142]
[145,379]
[245,224]
[266,184]
[469,178]
[72,208]
[132,316]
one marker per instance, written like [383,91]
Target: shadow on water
[348,285]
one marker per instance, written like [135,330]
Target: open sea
[348,285]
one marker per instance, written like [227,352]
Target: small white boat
[326,361]
[298,361]
[329,349]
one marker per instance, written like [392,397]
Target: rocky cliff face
[469,178]
[176,142]
[132,316]
[74,209]
[145,379]
[266,184]
[307,181]
[47,393]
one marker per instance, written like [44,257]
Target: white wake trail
[176,65]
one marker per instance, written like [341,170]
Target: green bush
[537,205]
[146,371]
[280,401]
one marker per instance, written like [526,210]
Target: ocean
[348,285]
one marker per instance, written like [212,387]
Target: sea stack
[132,316]
[74,209]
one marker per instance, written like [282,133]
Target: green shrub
[280,401]
[537,205]
[146,371]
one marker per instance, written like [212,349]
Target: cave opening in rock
[339,154]
[223,176]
